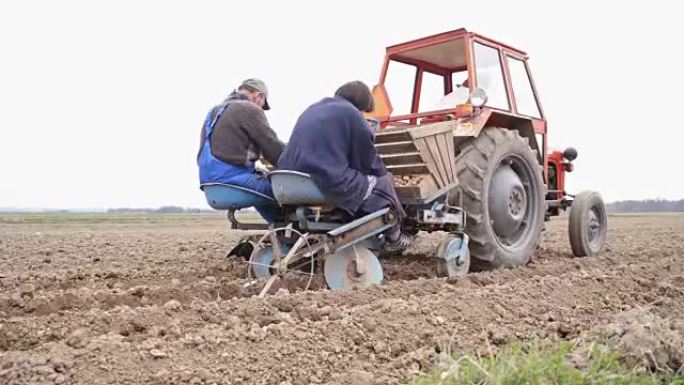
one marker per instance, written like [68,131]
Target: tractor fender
[471,127]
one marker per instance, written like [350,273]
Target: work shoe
[400,244]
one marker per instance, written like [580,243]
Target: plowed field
[153,300]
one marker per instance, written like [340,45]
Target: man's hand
[260,167]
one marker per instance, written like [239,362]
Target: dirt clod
[173,305]
[156,353]
[646,341]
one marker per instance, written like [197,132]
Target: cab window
[525,102]
[490,76]
[431,91]
[399,85]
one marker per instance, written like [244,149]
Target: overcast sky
[101,103]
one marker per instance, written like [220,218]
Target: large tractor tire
[588,224]
[502,191]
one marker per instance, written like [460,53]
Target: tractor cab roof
[444,50]
[445,71]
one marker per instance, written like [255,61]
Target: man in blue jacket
[333,143]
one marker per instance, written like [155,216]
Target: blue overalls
[214,170]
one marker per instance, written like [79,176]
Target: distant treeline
[648,205]
[160,210]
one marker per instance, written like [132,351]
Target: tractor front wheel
[502,192]
[588,224]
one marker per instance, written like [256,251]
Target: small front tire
[588,225]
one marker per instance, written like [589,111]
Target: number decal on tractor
[465,129]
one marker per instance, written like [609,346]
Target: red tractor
[472,165]
[502,176]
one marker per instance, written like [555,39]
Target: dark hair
[358,94]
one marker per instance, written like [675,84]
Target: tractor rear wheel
[502,192]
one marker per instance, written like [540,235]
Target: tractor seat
[222,196]
[296,188]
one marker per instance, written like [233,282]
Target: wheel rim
[513,202]
[594,228]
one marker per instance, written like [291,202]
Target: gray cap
[259,86]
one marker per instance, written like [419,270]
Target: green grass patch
[542,364]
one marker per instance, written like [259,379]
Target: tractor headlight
[570,154]
[478,97]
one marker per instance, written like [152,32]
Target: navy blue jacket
[333,143]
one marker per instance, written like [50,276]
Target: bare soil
[155,301]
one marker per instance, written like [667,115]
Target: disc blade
[453,256]
[342,274]
[263,259]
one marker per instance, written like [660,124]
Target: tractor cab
[456,75]
[451,70]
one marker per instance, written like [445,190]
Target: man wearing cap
[235,135]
